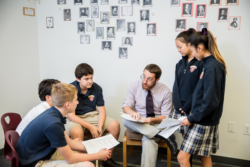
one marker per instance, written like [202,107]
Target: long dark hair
[206,38]
[184,36]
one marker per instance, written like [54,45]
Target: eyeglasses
[149,80]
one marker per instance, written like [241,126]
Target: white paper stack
[128,117]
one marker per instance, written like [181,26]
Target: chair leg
[125,151]
[169,154]
[131,150]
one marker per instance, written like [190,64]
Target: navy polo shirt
[88,101]
[41,137]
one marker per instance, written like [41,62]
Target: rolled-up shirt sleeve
[130,97]
[166,107]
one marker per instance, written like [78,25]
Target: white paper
[168,122]
[95,145]
[166,133]
[128,117]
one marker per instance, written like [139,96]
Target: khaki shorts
[57,160]
[90,117]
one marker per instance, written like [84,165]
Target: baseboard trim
[215,158]
[1,152]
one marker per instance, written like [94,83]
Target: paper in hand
[128,117]
[169,122]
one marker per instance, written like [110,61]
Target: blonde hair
[62,93]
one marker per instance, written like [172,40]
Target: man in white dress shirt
[44,91]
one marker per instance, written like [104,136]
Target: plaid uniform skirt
[201,140]
[182,129]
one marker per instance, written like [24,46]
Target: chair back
[15,119]
[12,137]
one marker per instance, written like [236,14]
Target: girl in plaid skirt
[202,135]
[187,73]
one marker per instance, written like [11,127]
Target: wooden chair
[134,139]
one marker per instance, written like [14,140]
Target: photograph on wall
[127,41]
[110,32]
[90,25]
[123,52]
[127,10]
[147,3]
[180,25]
[215,2]
[114,11]
[67,14]
[106,45]
[131,29]
[175,3]
[234,22]
[61,2]
[135,2]
[84,12]
[232,2]
[121,24]
[201,25]
[151,29]
[104,2]
[223,14]
[94,11]
[78,2]
[144,15]
[81,27]
[123,1]
[187,9]
[49,22]
[104,17]
[84,39]
[99,32]
[201,10]
[93,2]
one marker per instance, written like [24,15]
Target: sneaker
[110,163]
[170,142]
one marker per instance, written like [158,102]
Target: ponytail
[184,36]
[206,38]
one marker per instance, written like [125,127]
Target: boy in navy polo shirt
[90,113]
[44,135]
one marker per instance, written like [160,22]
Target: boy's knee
[181,159]
[76,132]
[115,124]
[88,164]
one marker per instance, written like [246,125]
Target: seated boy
[86,116]
[44,135]
[44,92]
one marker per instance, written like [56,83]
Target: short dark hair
[153,68]
[45,88]
[83,69]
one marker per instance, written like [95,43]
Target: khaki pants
[90,117]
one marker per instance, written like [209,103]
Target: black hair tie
[204,31]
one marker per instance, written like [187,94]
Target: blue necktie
[150,105]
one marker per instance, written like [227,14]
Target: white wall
[19,65]
[60,52]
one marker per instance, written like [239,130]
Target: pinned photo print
[104,2]
[215,2]
[78,2]
[110,32]
[223,15]
[81,27]
[93,2]
[99,32]
[127,10]
[151,29]
[106,45]
[114,11]
[61,2]
[84,12]
[104,17]
[123,52]
[232,2]
[144,15]
[49,22]
[175,3]
[127,41]
[135,2]
[94,12]
[180,25]
[234,22]
[120,24]
[90,25]
[84,39]
[187,9]
[201,25]
[131,28]
[67,14]
[123,1]
[201,10]
[147,3]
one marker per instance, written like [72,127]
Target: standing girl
[202,136]
[187,74]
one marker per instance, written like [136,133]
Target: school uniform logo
[201,76]
[91,97]
[192,68]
